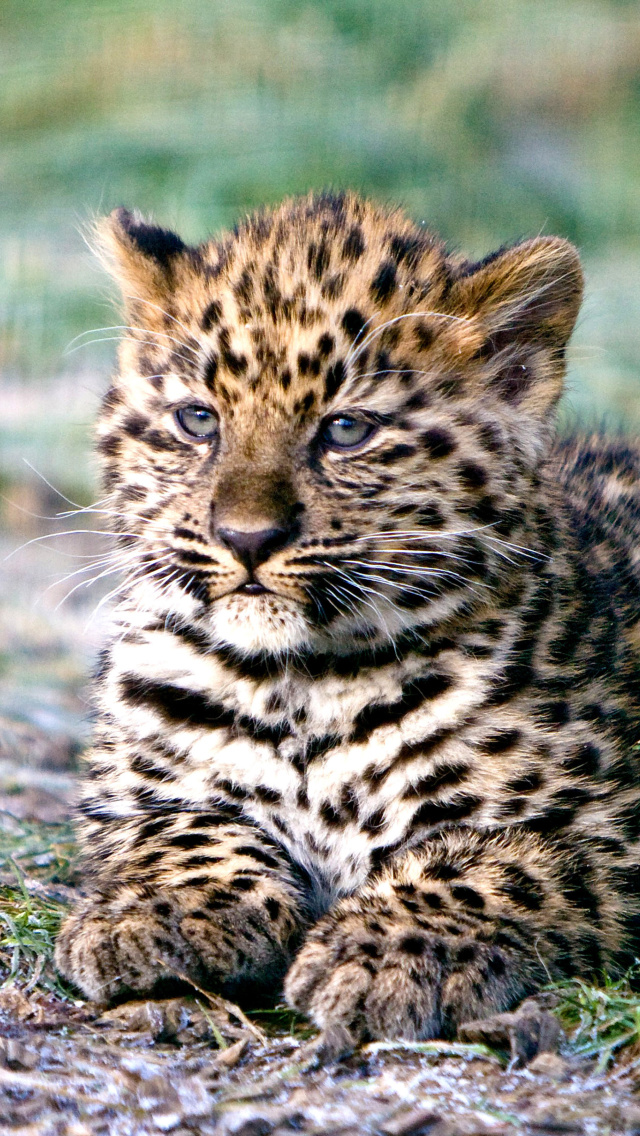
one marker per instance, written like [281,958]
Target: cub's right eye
[197,421]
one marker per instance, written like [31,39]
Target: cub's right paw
[128,943]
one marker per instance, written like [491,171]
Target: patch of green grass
[28,928]
[600,1020]
[35,859]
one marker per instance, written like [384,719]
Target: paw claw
[331,1045]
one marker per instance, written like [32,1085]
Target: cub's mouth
[253,618]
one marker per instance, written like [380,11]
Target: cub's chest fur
[374,680]
[319,762]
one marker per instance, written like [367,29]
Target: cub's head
[323,428]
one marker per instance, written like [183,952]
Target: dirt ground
[65,1075]
[196,1064]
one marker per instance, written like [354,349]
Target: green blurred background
[487,119]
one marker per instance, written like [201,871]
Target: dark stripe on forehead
[334,378]
[438,442]
[318,257]
[353,322]
[354,244]
[237,364]
[211,315]
[210,371]
[333,288]
[384,282]
[326,344]
[407,248]
[244,288]
[424,335]
[303,405]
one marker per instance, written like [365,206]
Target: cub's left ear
[528,293]
[147,261]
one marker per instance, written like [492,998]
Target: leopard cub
[368,720]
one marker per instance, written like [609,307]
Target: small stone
[550,1125]
[631,1119]
[550,1065]
[15,1055]
[412,1122]
[15,1004]
[228,1058]
[165,1121]
[258,1126]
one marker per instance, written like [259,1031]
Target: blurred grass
[28,928]
[602,1020]
[487,119]
[37,860]
[40,850]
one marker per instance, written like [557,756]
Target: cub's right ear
[143,258]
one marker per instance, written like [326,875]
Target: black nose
[253,548]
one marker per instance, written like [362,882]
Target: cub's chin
[253,623]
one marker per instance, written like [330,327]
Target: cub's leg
[461,929]
[191,896]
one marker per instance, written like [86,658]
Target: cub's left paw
[372,973]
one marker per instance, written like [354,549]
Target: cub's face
[324,430]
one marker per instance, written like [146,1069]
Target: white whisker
[353,356]
[164,312]
[130,327]
[424,534]
[119,338]
[102,575]
[417,552]
[103,563]
[69,532]
[364,590]
[143,575]
[49,484]
[429,574]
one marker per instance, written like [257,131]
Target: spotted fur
[389,746]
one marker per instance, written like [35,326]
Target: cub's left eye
[344,432]
[197,421]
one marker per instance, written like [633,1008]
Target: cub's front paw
[128,942]
[369,972]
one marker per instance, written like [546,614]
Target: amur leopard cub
[368,721]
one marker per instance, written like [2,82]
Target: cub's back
[598,495]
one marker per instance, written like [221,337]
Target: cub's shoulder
[598,476]
[597,462]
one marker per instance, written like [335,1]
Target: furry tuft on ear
[144,258]
[524,301]
[531,291]
[159,244]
